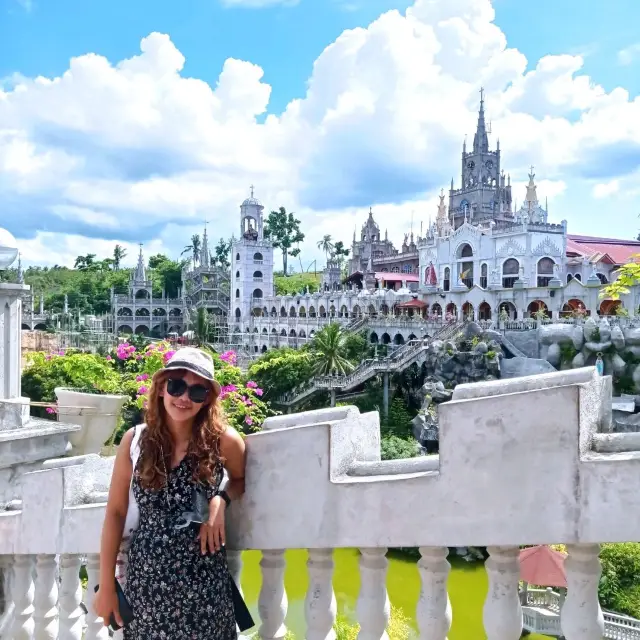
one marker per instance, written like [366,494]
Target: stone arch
[412,337]
[436,309]
[174,328]
[123,328]
[603,279]
[274,312]
[283,312]
[143,312]
[264,348]
[573,305]
[237,256]
[312,311]
[265,311]
[386,338]
[255,330]
[468,312]
[544,271]
[237,293]
[175,312]
[142,330]
[332,311]
[535,306]
[292,312]
[322,312]
[238,313]
[159,313]
[610,307]
[344,312]
[465,250]
[125,312]
[398,339]
[292,333]
[257,294]
[258,256]
[384,309]
[238,273]
[452,309]
[510,272]
[357,312]
[274,330]
[373,338]
[283,333]
[371,310]
[142,294]
[510,309]
[302,312]
[257,275]
[25,327]
[484,311]
[264,330]
[302,333]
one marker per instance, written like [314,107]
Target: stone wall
[38,341]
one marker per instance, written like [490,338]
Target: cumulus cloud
[629,54]
[606,189]
[139,151]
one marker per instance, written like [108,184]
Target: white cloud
[138,151]
[629,54]
[606,189]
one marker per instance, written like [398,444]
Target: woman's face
[182,394]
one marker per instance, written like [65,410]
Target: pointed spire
[481,140]
[140,274]
[531,200]
[20,273]
[370,212]
[205,258]
[66,304]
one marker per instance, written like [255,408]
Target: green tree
[627,276]
[326,245]
[619,589]
[280,370]
[340,252]
[169,272]
[283,229]
[221,255]
[194,248]
[202,326]
[393,447]
[328,347]
[85,263]
[119,253]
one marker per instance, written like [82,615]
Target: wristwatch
[225,496]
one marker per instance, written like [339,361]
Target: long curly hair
[156,446]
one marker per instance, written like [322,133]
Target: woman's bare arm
[232,449]
[116,511]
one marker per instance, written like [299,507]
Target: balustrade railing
[471,494]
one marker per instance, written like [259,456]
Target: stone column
[10,354]
[385,395]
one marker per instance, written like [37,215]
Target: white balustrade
[320,603]
[22,592]
[272,602]
[502,610]
[581,615]
[46,598]
[95,625]
[373,605]
[70,598]
[434,608]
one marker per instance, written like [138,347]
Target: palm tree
[325,245]
[328,345]
[193,248]
[202,326]
[119,252]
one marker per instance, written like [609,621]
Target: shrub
[620,582]
[395,448]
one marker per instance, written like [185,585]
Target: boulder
[520,367]
[550,334]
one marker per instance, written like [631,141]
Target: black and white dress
[175,592]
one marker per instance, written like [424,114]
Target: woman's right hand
[106,603]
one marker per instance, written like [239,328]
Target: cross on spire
[251,187]
[481,95]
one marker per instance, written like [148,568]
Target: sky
[133,123]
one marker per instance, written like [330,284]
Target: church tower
[251,265]
[485,193]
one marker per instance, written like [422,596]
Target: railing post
[373,605]
[502,609]
[434,608]
[46,599]
[95,625]
[581,616]
[320,603]
[272,601]
[71,614]
[22,591]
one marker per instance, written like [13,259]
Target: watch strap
[225,496]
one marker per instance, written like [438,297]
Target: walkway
[541,615]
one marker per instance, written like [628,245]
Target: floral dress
[175,592]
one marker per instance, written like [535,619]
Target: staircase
[399,360]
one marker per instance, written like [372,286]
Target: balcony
[507,475]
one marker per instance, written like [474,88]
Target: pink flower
[142,377]
[248,420]
[259,392]
[51,410]
[168,355]
[48,357]
[142,390]
[109,358]
[252,385]
[61,352]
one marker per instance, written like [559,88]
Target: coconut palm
[326,245]
[328,346]
[202,326]
[119,252]
[194,248]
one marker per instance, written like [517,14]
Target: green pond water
[467,589]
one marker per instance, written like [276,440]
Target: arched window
[545,271]
[484,280]
[257,257]
[465,251]
[238,313]
[257,275]
[237,256]
[446,281]
[237,293]
[510,271]
[257,294]
[238,273]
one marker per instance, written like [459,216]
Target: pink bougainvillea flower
[109,358]
[248,420]
[168,355]
[252,385]
[142,390]
[51,410]
[258,392]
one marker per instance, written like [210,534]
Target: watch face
[471,164]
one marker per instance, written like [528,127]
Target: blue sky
[354,160]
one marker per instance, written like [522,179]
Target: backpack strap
[134,450]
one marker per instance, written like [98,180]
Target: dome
[8,249]
[252,202]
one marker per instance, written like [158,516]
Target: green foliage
[395,448]
[567,353]
[221,253]
[398,422]
[627,276]
[328,346]
[283,229]
[297,283]
[202,326]
[620,582]
[279,371]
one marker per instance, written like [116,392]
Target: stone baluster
[70,599]
[272,601]
[502,609]
[95,625]
[46,598]
[373,601]
[434,608]
[320,603]
[581,617]
[22,591]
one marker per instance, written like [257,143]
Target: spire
[371,213]
[205,258]
[531,200]
[140,274]
[20,273]
[66,304]
[481,140]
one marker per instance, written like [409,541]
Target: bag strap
[134,450]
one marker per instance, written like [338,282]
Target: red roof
[412,304]
[394,276]
[618,251]
[542,566]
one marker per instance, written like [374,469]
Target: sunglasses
[198,393]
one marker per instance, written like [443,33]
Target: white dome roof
[8,249]
[252,202]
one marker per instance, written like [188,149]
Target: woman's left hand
[211,534]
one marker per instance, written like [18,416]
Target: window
[545,271]
[238,273]
[510,271]
[484,280]
[237,256]
[238,313]
[258,257]
[237,293]
[407,268]
[257,275]
[446,281]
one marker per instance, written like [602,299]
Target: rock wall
[38,341]
[568,346]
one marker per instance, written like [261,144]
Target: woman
[177,582]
